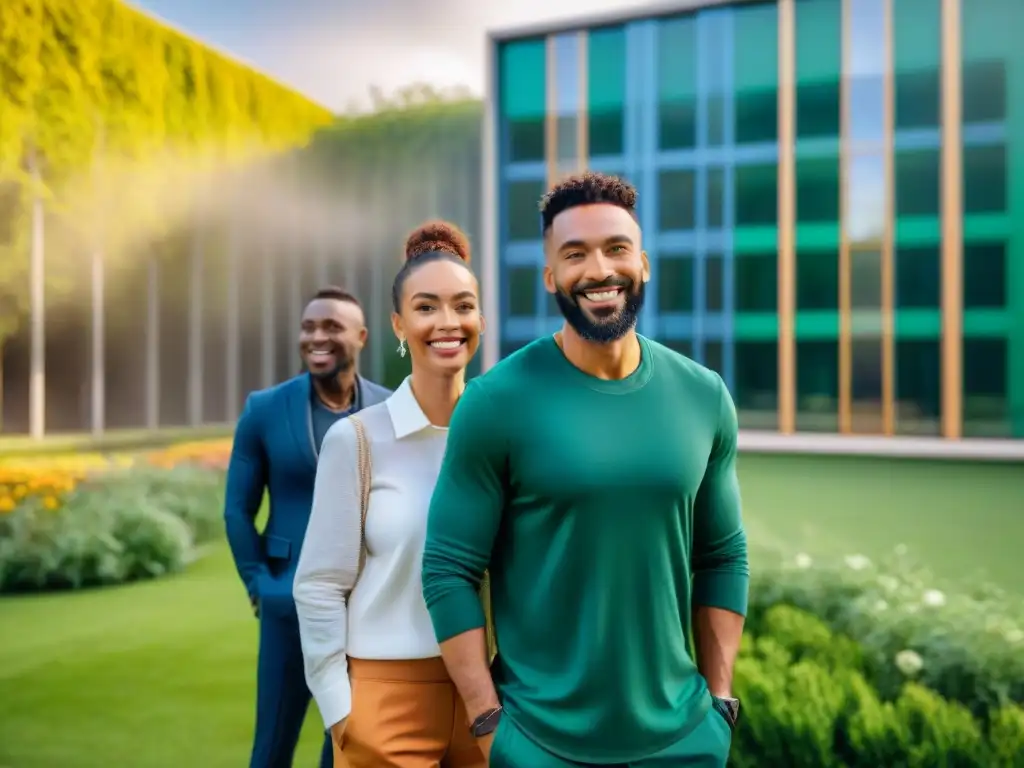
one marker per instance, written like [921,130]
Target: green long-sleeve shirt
[593,503]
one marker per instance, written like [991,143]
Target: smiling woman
[357,590]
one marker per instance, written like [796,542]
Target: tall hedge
[83,77]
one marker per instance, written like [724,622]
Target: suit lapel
[298,418]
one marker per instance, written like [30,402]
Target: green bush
[969,647]
[118,527]
[807,702]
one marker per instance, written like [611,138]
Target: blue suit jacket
[273,450]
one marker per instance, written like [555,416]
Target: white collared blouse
[384,617]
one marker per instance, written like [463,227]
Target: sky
[335,50]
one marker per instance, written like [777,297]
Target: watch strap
[486,723]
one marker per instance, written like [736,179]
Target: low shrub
[88,521]
[969,648]
[808,704]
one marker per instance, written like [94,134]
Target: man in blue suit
[276,446]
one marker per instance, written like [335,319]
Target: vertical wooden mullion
[952,224]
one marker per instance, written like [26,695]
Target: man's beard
[612,328]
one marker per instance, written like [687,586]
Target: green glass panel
[817,385]
[677,83]
[990,29]
[522,215]
[818,66]
[756,72]
[755,282]
[986,407]
[917,53]
[606,90]
[522,291]
[522,78]
[817,279]
[756,388]
[918,386]
[817,190]
[675,283]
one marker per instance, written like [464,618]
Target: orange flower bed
[48,479]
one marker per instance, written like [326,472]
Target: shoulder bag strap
[363,450]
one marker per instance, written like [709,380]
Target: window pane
[917,40]
[714,355]
[523,216]
[675,284]
[817,386]
[676,193]
[522,291]
[817,190]
[984,91]
[713,283]
[606,85]
[865,280]
[985,275]
[866,385]
[818,64]
[756,279]
[508,347]
[755,72]
[866,30]
[985,179]
[756,191]
[918,278]
[682,346]
[918,387]
[716,195]
[817,280]
[757,384]
[985,407]
[522,100]
[917,182]
[677,83]
[866,193]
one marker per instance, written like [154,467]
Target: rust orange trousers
[405,714]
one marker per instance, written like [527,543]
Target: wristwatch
[728,707]
[486,723]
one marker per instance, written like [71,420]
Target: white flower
[889,584]
[857,562]
[933,598]
[803,561]
[909,662]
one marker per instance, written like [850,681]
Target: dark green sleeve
[465,513]
[721,574]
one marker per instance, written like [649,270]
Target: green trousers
[706,746]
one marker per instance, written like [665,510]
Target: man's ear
[646,274]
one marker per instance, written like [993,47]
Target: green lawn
[146,676]
[162,674]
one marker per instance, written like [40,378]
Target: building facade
[831,195]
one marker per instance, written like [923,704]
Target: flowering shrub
[968,647]
[72,521]
[808,702]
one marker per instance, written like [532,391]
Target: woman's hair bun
[437,236]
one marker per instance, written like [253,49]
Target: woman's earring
[401,347]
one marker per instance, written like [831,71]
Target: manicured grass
[155,675]
[112,440]
[162,674]
[961,520]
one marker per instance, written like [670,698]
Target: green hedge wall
[81,79]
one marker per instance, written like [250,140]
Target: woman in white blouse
[372,661]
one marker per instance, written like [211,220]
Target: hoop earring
[401,347]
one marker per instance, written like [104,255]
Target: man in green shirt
[593,475]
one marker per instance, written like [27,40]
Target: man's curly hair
[586,189]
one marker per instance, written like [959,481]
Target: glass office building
[831,194]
